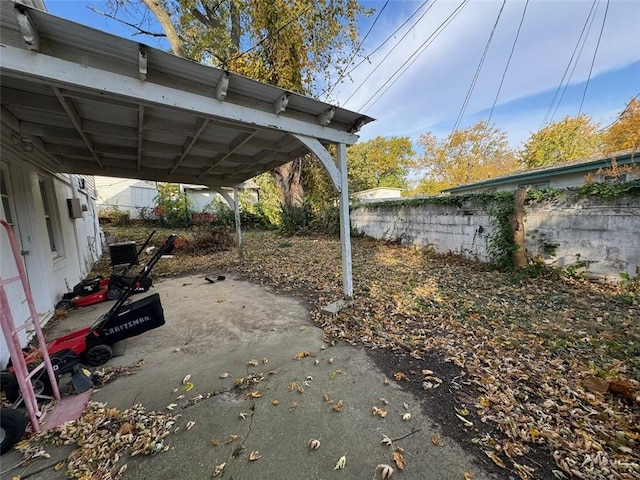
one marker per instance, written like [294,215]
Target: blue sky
[429,94]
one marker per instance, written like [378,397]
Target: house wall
[127,195]
[77,241]
[605,234]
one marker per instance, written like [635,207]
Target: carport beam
[345,226]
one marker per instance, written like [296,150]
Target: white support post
[345,225]
[236,208]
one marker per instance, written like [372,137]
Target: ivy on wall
[500,207]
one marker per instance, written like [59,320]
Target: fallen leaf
[384,401]
[254,394]
[386,440]
[331,360]
[232,438]
[387,381]
[379,412]
[171,406]
[338,406]
[187,387]
[243,415]
[397,457]
[468,475]
[385,471]
[58,466]
[293,386]
[190,425]
[224,375]
[462,411]
[496,459]
[399,376]
[255,455]
[265,360]
[219,468]
[125,429]
[327,398]
[275,403]
[186,379]
[406,417]
[435,438]
[303,354]
[314,444]
[464,420]
[300,389]
[293,406]
[253,362]
[342,461]
[215,442]
[316,362]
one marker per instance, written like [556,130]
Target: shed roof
[99,104]
[624,157]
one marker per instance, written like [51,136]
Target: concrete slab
[212,329]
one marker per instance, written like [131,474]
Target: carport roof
[98,104]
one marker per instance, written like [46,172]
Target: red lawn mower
[93,345]
[99,289]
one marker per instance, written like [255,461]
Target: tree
[294,44]
[476,153]
[624,133]
[380,162]
[572,138]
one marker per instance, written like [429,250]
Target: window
[48,206]
[7,203]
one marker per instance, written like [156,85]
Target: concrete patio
[216,328]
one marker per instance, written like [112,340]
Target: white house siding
[126,194]
[77,241]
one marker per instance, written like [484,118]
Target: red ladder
[10,332]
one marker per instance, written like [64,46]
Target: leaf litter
[555,362]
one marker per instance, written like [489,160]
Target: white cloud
[432,90]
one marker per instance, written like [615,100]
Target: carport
[86,102]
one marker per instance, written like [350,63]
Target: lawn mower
[93,345]
[99,289]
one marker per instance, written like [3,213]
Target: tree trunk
[519,256]
[165,21]
[287,177]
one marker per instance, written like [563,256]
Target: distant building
[377,194]
[570,174]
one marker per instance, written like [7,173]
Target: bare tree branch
[140,30]
[167,25]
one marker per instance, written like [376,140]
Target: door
[8,269]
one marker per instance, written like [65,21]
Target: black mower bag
[134,319]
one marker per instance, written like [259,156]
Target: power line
[621,113]
[414,55]
[383,43]
[362,83]
[504,74]
[575,65]
[342,75]
[477,74]
[564,75]
[595,53]
[263,39]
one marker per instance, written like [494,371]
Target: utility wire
[504,74]
[593,60]
[621,113]
[575,65]
[564,75]
[384,42]
[405,66]
[477,74]
[363,82]
[263,39]
[414,56]
[355,52]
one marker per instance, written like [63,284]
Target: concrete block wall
[443,228]
[604,234]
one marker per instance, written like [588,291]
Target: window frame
[51,216]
